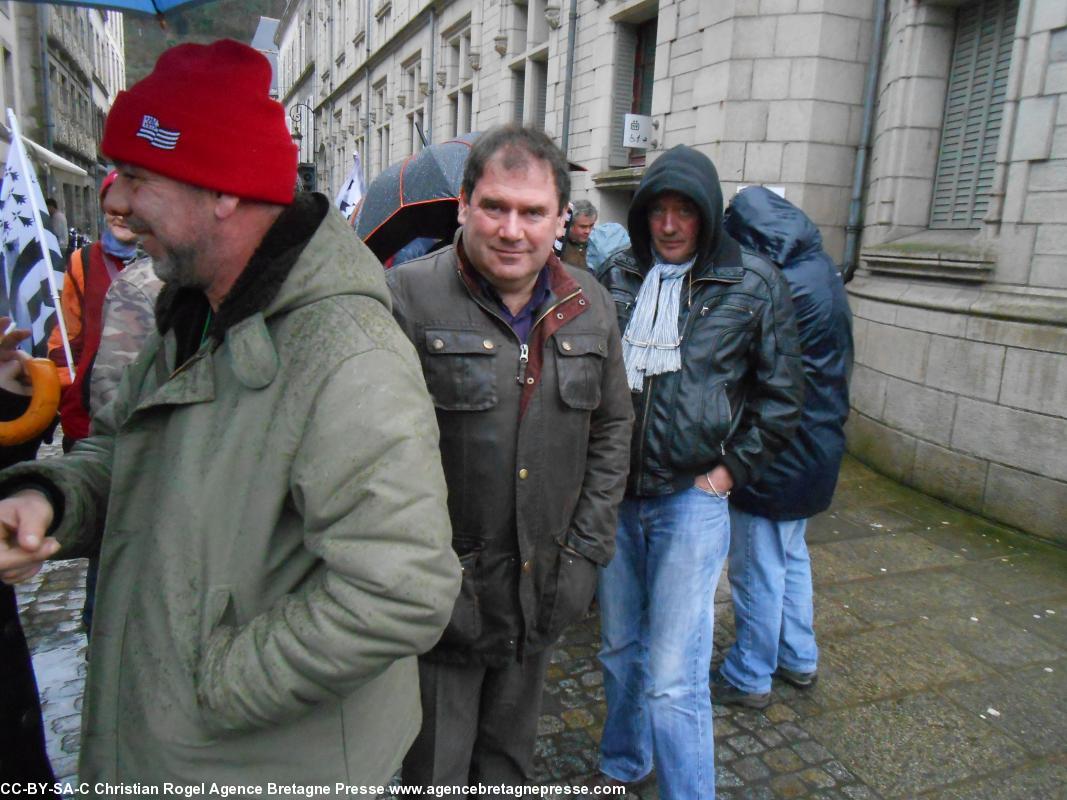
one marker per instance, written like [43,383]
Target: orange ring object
[43,404]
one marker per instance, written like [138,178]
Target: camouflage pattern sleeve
[128,316]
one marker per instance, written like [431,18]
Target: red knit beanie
[204,116]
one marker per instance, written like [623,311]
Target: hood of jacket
[688,172]
[770,225]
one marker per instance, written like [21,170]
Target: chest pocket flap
[580,367]
[460,368]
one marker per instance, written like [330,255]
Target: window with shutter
[622,90]
[978,80]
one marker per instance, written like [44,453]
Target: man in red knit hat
[266,484]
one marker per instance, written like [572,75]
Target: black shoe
[801,680]
[724,693]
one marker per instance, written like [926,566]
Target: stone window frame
[899,239]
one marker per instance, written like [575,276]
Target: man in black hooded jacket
[713,365]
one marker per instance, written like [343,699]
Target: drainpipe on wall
[855,206]
[366,96]
[572,18]
[431,82]
[42,31]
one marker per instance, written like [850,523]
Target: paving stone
[899,747]
[838,771]
[992,639]
[577,718]
[746,745]
[881,519]
[909,596]
[1046,619]
[1040,781]
[966,543]
[783,760]
[892,552]
[1027,705]
[859,793]
[867,665]
[779,712]
[1021,577]
[788,786]
[751,769]
[832,618]
[817,778]
[812,752]
[548,724]
[831,527]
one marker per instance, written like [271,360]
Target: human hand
[24,519]
[10,337]
[13,375]
[718,482]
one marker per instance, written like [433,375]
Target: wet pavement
[943,670]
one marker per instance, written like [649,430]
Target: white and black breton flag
[157,136]
[351,194]
[27,296]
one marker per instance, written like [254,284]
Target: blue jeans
[657,607]
[770,578]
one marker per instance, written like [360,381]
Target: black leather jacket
[736,400]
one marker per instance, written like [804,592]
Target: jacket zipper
[644,429]
[524,348]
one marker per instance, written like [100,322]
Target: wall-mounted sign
[637,131]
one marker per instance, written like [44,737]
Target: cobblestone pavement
[943,669]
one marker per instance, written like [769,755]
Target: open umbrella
[154,8]
[416,197]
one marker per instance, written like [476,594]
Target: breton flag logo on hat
[157,136]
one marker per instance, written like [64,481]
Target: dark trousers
[479,724]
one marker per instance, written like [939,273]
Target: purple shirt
[522,322]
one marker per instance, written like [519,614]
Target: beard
[177,266]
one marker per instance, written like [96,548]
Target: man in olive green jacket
[523,360]
[275,547]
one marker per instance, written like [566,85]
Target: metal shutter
[973,110]
[518,92]
[540,76]
[622,91]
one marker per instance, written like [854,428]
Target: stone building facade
[63,109]
[961,290]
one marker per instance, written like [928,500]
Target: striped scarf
[650,345]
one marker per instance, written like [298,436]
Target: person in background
[606,239]
[713,365]
[770,572]
[582,221]
[128,316]
[23,756]
[522,357]
[59,224]
[89,274]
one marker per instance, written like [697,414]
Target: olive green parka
[275,541]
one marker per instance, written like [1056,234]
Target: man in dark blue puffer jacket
[770,572]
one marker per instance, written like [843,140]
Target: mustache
[136,225]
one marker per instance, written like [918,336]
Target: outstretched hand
[13,376]
[24,520]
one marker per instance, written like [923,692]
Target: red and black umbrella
[417,197]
